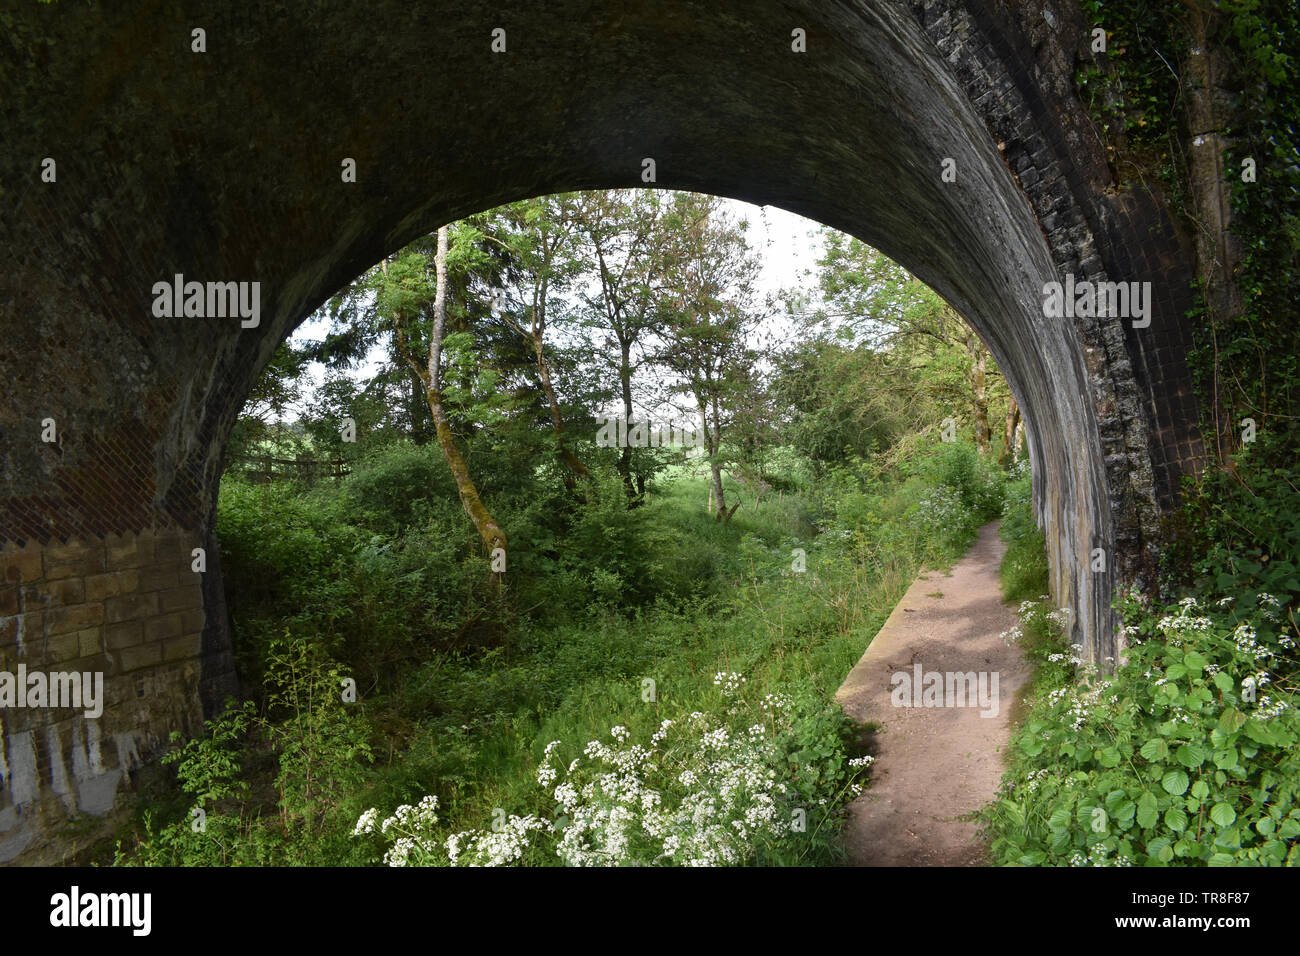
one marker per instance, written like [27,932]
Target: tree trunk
[571,461]
[488,529]
[1009,434]
[418,409]
[1218,252]
[717,503]
[979,391]
[625,380]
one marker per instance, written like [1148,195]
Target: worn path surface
[935,764]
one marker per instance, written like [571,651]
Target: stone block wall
[94,564]
[128,607]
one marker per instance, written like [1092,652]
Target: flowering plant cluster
[1186,755]
[941,514]
[703,790]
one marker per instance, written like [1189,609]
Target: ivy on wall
[1245,363]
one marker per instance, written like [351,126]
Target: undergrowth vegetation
[648,686]
[1187,753]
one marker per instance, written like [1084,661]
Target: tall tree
[405,296]
[708,313]
[879,301]
[626,241]
[542,243]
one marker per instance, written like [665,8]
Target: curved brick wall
[225,166]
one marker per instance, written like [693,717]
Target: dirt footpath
[935,763]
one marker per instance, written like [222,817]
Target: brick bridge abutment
[129,158]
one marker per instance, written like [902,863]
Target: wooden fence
[265,468]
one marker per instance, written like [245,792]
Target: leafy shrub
[974,478]
[1024,569]
[1186,756]
[319,745]
[389,491]
[322,745]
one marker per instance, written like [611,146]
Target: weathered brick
[184,598]
[182,648]
[17,565]
[79,567]
[111,584]
[159,577]
[34,597]
[174,548]
[71,550]
[65,591]
[162,627]
[61,620]
[8,601]
[130,551]
[8,630]
[143,655]
[95,664]
[90,641]
[31,625]
[73,559]
[193,620]
[130,607]
[62,647]
[126,634]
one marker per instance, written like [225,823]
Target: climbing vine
[1246,364]
[1258,350]
[1133,91]
[1185,755]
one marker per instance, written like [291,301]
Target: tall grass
[611,617]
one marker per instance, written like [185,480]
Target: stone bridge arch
[224,165]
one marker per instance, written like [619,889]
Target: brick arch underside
[226,166]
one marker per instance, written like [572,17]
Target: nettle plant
[698,793]
[1186,756]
